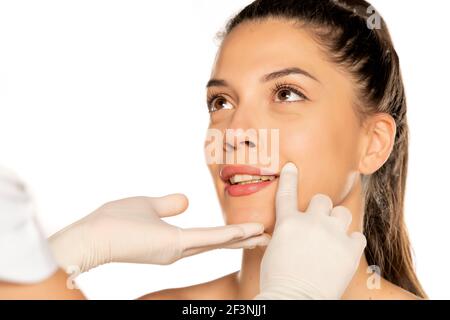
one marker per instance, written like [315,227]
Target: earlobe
[378,142]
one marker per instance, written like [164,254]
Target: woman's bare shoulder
[391,291]
[217,289]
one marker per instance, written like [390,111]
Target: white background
[102,100]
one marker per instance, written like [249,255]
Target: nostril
[249,143]
[228,147]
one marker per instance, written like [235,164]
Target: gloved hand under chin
[131,230]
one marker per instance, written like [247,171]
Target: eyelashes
[277,88]
[212,98]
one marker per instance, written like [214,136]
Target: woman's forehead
[262,47]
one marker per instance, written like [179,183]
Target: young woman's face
[312,108]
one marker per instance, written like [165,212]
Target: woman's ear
[378,142]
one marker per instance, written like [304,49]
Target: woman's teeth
[246,178]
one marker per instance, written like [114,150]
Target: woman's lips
[236,190]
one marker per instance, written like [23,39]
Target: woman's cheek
[320,171]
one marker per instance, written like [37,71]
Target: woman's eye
[218,103]
[289,95]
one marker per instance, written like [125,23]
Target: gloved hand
[310,255]
[25,257]
[131,230]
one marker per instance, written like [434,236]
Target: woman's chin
[245,215]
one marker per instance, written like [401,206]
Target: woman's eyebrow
[286,72]
[270,76]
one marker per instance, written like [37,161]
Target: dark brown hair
[347,30]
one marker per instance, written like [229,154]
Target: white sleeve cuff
[25,256]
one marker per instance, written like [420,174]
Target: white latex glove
[24,253]
[310,255]
[131,230]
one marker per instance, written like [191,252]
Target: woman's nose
[242,129]
[238,138]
